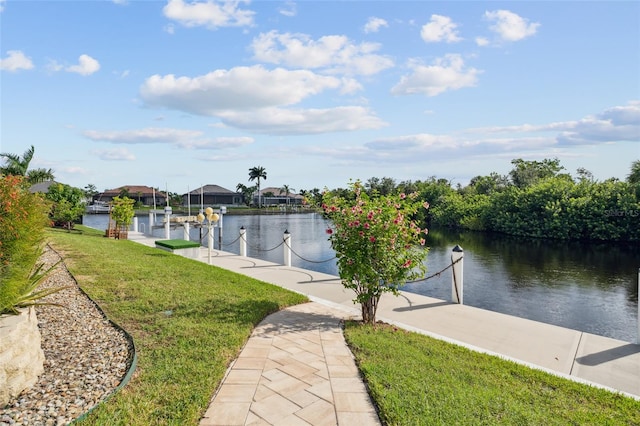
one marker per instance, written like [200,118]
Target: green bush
[23,217]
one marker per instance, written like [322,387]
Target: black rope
[308,260]
[232,242]
[271,249]
[437,274]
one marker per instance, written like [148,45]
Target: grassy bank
[189,320]
[417,380]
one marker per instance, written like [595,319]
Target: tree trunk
[369,309]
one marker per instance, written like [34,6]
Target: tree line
[535,199]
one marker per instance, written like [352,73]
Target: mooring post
[457,284]
[287,248]
[243,242]
[135,224]
[167,224]
[152,221]
[185,231]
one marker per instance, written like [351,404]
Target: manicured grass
[188,320]
[418,380]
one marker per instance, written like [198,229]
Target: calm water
[588,287]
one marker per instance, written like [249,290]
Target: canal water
[590,287]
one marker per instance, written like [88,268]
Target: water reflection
[584,286]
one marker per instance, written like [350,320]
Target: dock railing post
[243,242]
[287,248]
[457,283]
[152,221]
[167,224]
[185,231]
[135,224]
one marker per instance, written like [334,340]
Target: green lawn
[418,380]
[189,320]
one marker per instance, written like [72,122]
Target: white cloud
[440,28]
[16,60]
[482,41]
[446,73]
[53,65]
[121,2]
[211,14]
[620,123]
[240,88]
[117,154]
[304,121]
[86,66]
[288,9]
[189,139]
[510,26]
[74,170]
[142,136]
[374,24]
[332,53]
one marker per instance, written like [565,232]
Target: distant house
[42,187]
[143,194]
[212,195]
[273,196]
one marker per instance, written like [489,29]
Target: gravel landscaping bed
[86,356]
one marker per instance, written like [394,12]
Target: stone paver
[296,369]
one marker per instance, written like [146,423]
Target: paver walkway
[296,369]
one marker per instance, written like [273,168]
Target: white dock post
[167,224]
[152,221]
[135,224]
[243,242]
[457,284]
[287,248]
[185,231]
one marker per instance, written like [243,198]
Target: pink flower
[329,231]
[361,233]
[372,239]
[403,196]
[366,225]
[370,215]
[422,241]
[407,263]
[425,205]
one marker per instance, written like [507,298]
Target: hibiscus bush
[378,244]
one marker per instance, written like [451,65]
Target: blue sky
[177,94]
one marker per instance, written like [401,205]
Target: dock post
[167,224]
[457,284]
[135,224]
[152,221]
[185,231]
[243,242]
[287,248]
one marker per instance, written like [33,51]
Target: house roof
[211,189]
[278,192]
[133,190]
[42,186]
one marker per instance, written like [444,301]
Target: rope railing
[308,260]
[437,274]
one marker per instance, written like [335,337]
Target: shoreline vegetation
[189,321]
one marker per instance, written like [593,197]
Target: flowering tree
[378,245]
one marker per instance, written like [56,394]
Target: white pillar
[287,248]
[220,228]
[185,231]
[457,284]
[243,242]
[135,224]
[167,224]
[152,221]
[210,241]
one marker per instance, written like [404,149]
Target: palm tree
[19,166]
[257,173]
[634,175]
[287,191]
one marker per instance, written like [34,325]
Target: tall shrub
[378,245]
[23,216]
